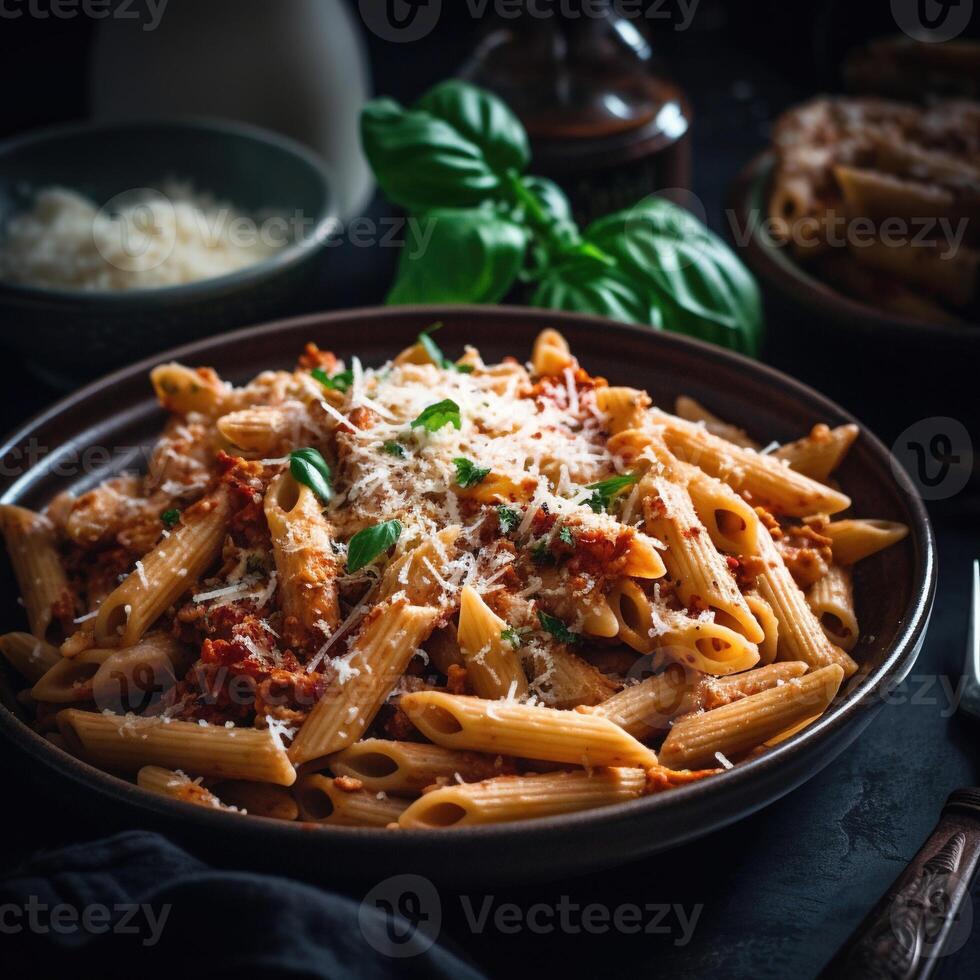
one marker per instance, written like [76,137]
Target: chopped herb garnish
[367,544]
[515,637]
[565,536]
[310,468]
[468,474]
[554,626]
[170,518]
[508,518]
[337,382]
[393,448]
[436,416]
[436,355]
[606,490]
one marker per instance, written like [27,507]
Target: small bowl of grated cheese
[119,239]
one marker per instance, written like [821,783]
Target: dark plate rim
[893,668]
[774,263]
[283,259]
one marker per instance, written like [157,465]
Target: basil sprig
[456,161]
[311,469]
[370,542]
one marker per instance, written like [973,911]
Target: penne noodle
[407,768]
[832,602]
[522,797]
[126,743]
[493,667]
[821,452]
[43,585]
[178,786]
[735,728]
[853,540]
[306,565]
[165,574]
[30,657]
[692,411]
[258,799]
[772,484]
[519,729]
[551,354]
[322,800]
[387,640]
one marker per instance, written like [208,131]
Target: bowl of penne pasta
[481,593]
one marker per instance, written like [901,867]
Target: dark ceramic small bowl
[894,595]
[67,334]
[775,266]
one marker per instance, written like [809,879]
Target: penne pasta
[30,540]
[821,452]
[853,540]
[519,729]
[407,768]
[493,667]
[323,800]
[699,739]
[522,797]
[165,574]
[832,602]
[126,743]
[30,657]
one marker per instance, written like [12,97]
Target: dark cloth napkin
[137,906]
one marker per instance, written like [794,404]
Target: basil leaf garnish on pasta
[335,382]
[436,416]
[468,474]
[605,491]
[311,469]
[393,448]
[171,517]
[554,626]
[370,542]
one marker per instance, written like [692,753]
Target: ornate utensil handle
[918,920]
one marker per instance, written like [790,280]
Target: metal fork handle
[906,935]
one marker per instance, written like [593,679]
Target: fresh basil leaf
[584,284]
[554,626]
[468,474]
[436,355]
[470,256]
[436,416]
[508,518]
[171,517]
[336,382]
[310,468]
[393,448]
[483,119]
[370,542]
[452,150]
[701,285]
[605,491]
[553,205]
[565,536]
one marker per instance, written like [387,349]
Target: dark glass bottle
[604,121]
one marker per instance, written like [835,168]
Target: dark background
[781,890]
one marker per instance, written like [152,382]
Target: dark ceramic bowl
[69,334]
[845,346]
[894,596]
